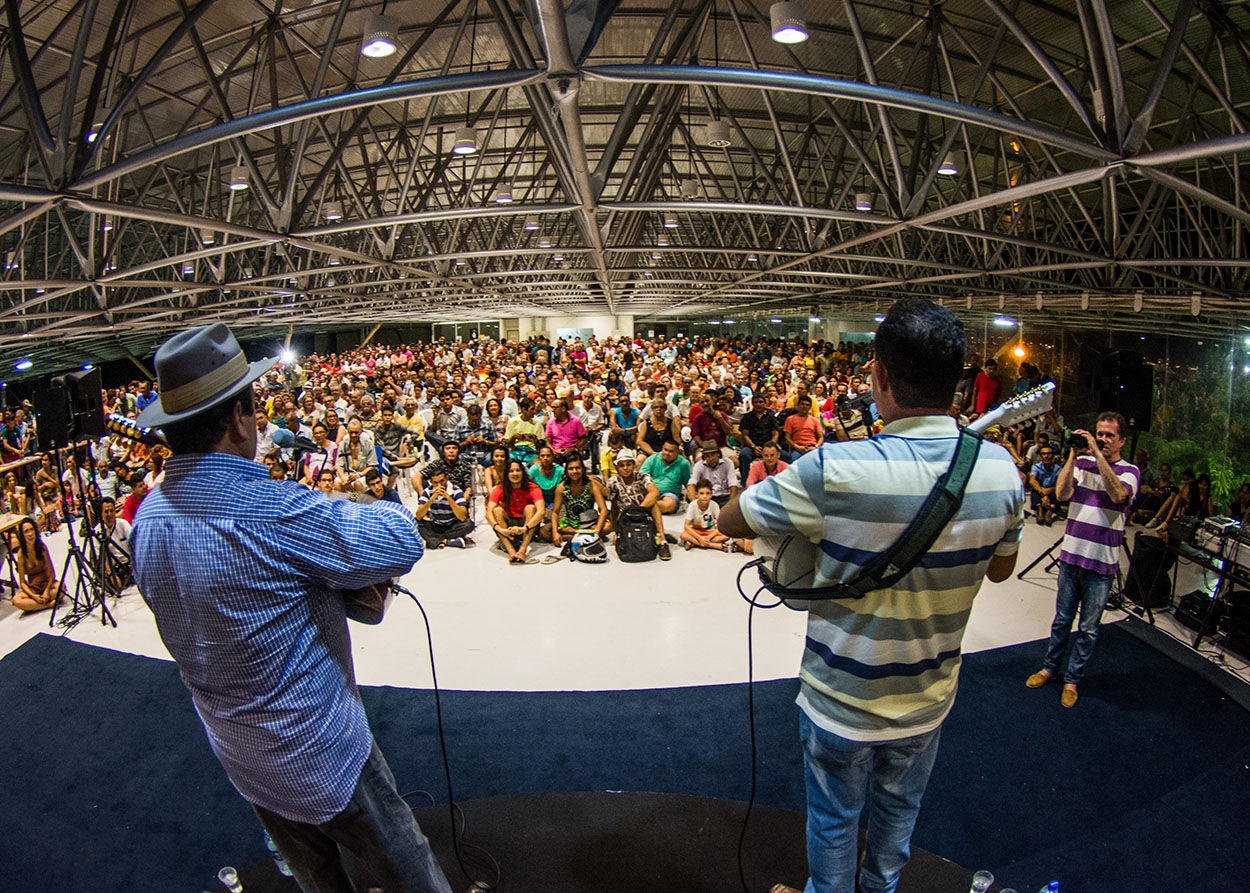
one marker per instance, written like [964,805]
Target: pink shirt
[565,435]
[803,431]
[758,473]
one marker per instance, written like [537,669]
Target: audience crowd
[539,441]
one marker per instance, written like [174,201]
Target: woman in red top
[516,509]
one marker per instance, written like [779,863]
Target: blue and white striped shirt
[243,575]
[886,666]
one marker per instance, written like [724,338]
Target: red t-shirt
[987,392]
[803,431]
[520,499]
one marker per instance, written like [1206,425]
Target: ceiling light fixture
[689,188]
[863,201]
[775,319]
[949,165]
[544,241]
[188,268]
[238,177]
[503,194]
[670,220]
[333,211]
[717,133]
[380,37]
[789,25]
[879,318]
[108,224]
[465,142]
[207,236]
[23,365]
[751,258]
[662,240]
[1004,322]
[531,222]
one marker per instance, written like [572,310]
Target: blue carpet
[1142,786]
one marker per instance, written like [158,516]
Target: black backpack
[635,535]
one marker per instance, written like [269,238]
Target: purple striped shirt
[1096,523]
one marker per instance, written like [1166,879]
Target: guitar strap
[890,566]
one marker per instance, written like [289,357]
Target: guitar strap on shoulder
[890,566]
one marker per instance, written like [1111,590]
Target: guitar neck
[1028,405]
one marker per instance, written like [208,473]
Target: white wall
[604,326]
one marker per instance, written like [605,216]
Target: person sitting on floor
[516,510]
[547,474]
[376,489]
[38,587]
[442,513]
[669,470]
[718,471]
[459,470]
[628,488]
[580,504]
[1042,480]
[699,531]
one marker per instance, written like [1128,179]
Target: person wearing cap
[631,487]
[248,599]
[717,471]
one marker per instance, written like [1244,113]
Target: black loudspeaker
[1148,583]
[52,417]
[1132,394]
[1193,610]
[87,402]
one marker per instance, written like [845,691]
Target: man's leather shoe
[1038,679]
[1068,698]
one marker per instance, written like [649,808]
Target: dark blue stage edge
[1142,786]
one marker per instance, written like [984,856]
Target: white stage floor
[571,627]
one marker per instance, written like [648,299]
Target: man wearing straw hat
[246,591]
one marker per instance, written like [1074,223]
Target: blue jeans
[376,826]
[1083,589]
[842,775]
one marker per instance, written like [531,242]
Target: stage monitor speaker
[1148,583]
[1193,610]
[52,417]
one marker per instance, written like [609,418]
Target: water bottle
[1052,887]
[283,868]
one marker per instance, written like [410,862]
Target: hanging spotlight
[466,141]
[531,222]
[863,201]
[670,220]
[689,188]
[662,241]
[717,133]
[188,268]
[94,132]
[238,177]
[380,38]
[789,25]
[655,255]
[775,319]
[108,224]
[334,260]
[207,236]
[949,165]
[503,194]
[544,241]
[751,258]
[334,211]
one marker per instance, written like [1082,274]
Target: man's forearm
[731,521]
[1063,486]
[1115,487]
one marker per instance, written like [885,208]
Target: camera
[1077,441]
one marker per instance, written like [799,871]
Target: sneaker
[456,542]
[664,553]
[468,541]
[1038,679]
[732,547]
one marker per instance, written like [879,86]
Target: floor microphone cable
[452,808]
[753,601]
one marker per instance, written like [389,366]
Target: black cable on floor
[456,833]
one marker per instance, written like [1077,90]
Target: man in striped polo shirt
[879,674]
[1101,487]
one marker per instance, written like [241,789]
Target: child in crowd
[700,530]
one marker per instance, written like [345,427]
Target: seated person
[38,587]
[314,463]
[476,436]
[607,458]
[356,456]
[131,505]
[581,504]
[48,495]
[628,488]
[1241,503]
[114,535]
[391,436]
[756,428]
[717,471]
[768,465]
[497,469]
[845,423]
[1042,480]
[1152,496]
[699,531]
[669,470]
[565,433]
[524,434]
[802,430]
[376,489]
[547,474]
[1172,505]
[442,513]
[713,422]
[516,510]
[278,470]
[326,482]
[459,470]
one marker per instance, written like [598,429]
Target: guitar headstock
[1031,404]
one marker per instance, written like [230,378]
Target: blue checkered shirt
[243,575]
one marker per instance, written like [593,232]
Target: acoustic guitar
[787,565]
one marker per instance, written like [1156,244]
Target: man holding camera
[1101,487]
